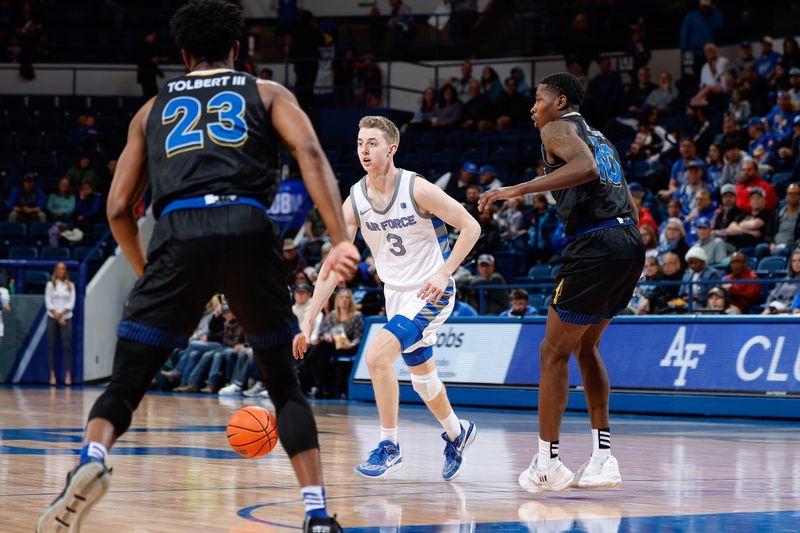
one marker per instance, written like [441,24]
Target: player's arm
[324,287]
[127,188]
[560,138]
[432,199]
[294,127]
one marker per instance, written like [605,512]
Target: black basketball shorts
[196,253]
[599,273]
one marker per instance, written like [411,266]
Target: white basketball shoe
[556,477]
[598,473]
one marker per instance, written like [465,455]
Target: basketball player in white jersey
[402,217]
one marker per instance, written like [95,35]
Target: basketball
[252,431]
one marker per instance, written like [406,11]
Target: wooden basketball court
[174,471]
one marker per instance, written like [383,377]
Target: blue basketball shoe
[382,461]
[454,451]
[86,485]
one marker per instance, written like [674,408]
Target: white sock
[388,434]
[548,454]
[451,426]
[601,442]
[314,500]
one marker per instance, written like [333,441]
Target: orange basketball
[252,431]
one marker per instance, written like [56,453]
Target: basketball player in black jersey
[207,142]
[601,266]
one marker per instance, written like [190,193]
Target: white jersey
[407,245]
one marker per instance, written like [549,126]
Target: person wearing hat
[292,260]
[680,168]
[456,185]
[754,226]
[718,301]
[698,270]
[781,118]
[767,60]
[494,300]
[745,58]
[715,248]
[751,179]
[741,296]
[488,178]
[646,218]
[694,183]
[727,211]
[27,201]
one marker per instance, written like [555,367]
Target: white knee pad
[428,386]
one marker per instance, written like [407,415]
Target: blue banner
[291,205]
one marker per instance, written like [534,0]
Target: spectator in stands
[522,87]
[512,219]
[698,271]
[787,164]
[494,300]
[739,108]
[147,60]
[733,159]
[756,88]
[456,186]
[661,298]
[794,86]
[673,239]
[463,16]
[650,273]
[303,45]
[638,91]
[519,305]
[727,212]
[59,300]
[463,83]
[714,76]
[762,144]
[731,134]
[700,27]
[674,210]
[650,240]
[752,227]
[479,112]
[791,53]
[785,233]
[741,296]
[401,27]
[245,370]
[29,34]
[489,241]
[490,83]
[61,202]
[315,234]
[105,176]
[715,248]
[746,58]
[664,96]
[84,134]
[5,308]
[750,179]
[768,60]
[421,121]
[487,177]
[694,183]
[645,216]
[447,114]
[81,172]
[463,309]
[513,109]
[785,292]
[265,74]
[343,78]
[703,208]
[578,43]
[718,301]
[339,334]
[370,83]
[637,47]
[677,176]
[605,95]
[543,223]
[714,167]
[781,118]
[27,201]
[88,208]
[292,261]
[207,336]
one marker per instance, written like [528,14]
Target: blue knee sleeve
[406,331]
[418,356]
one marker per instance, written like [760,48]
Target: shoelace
[377,455]
[450,449]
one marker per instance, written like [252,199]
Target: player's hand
[299,346]
[493,195]
[434,287]
[342,262]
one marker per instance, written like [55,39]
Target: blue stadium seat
[55,253]
[23,252]
[537,301]
[81,253]
[539,272]
[554,270]
[475,155]
[505,264]
[42,163]
[38,234]
[99,230]
[459,137]
[35,281]
[772,264]
[28,142]
[12,232]
[10,164]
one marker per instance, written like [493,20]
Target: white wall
[105,300]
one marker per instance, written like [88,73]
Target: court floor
[174,471]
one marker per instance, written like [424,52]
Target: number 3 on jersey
[607,164]
[396,241]
[229,130]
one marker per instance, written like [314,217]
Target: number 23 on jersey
[229,130]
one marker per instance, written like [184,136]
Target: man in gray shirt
[787,227]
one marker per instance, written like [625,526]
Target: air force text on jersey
[200,83]
[391,223]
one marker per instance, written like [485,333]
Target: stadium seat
[474,154]
[12,232]
[81,253]
[28,142]
[23,252]
[55,253]
[772,264]
[99,230]
[48,123]
[505,264]
[539,272]
[38,235]
[457,137]
[537,301]
[554,270]
[35,281]
[43,163]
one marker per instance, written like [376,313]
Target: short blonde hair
[390,131]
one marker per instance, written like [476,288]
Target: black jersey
[599,200]
[208,133]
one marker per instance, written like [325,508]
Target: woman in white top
[5,307]
[59,298]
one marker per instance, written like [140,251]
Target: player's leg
[255,285]
[161,313]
